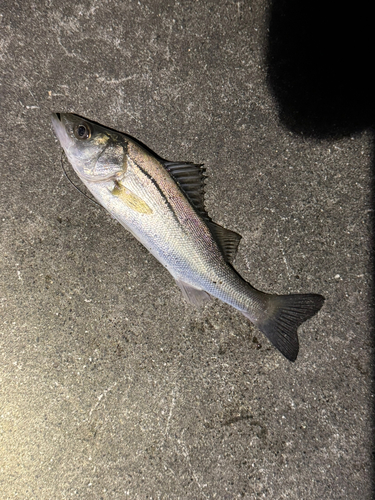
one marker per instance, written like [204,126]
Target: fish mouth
[59,130]
[55,118]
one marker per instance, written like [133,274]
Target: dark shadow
[321,67]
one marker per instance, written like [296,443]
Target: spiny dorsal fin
[190,178]
[227,240]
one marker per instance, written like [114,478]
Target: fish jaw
[60,132]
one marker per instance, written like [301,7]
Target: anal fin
[194,296]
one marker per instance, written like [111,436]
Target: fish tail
[285,313]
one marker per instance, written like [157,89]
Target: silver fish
[162,204]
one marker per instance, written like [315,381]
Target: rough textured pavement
[110,385]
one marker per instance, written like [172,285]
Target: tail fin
[287,313]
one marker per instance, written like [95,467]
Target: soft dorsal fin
[190,178]
[227,240]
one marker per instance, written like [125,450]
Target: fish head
[96,153]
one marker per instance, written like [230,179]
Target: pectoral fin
[193,295]
[131,200]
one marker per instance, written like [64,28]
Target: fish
[161,203]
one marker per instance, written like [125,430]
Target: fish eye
[82,131]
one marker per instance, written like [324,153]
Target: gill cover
[96,153]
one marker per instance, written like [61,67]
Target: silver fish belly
[162,204]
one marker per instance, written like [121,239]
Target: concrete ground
[112,387]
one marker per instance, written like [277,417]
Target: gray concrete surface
[110,386]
